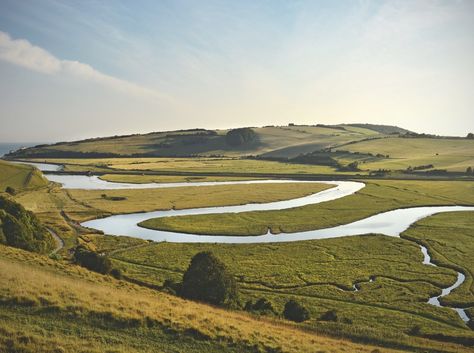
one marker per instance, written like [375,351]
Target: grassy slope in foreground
[377,196]
[321,273]
[47,306]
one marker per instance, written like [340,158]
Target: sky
[79,69]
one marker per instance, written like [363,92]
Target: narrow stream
[445,291]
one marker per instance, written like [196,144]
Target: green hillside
[20,176]
[285,141]
[452,154]
[47,306]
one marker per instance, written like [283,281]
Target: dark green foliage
[383,129]
[415,330]
[330,315]
[32,152]
[295,312]
[3,239]
[262,306]
[92,260]
[10,190]
[239,137]
[172,287]
[20,228]
[113,198]
[469,171]
[116,273]
[316,158]
[470,136]
[207,279]
[351,167]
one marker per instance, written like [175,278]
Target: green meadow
[452,154]
[322,273]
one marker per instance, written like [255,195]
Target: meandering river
[390,223]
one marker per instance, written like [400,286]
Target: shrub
[207,279]
[92,260]
[116,273]
[415,330]
[262,305]
[330,315]
[10,190]
[295,312]
[470,136]
[171,287]
[469,171]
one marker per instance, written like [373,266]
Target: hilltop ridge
[281,141]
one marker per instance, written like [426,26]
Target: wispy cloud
[22,53]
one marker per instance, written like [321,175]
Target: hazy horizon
[73,70]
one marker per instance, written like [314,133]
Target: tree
[469,171]
[470,136]
[295,312]
[207,279]
[330,315]
[20,228]
[10,190]
[238,137]
[262,305]
[92,260]
[354,166]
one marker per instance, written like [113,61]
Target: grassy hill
[20,177]
[452,154]
[283,141]
[48,306]
[320,149]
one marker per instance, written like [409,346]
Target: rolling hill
[279,141]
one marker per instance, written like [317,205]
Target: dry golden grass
[28,280]
[142,200]
[20,176]
[141,179]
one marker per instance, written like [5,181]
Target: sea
[7,147]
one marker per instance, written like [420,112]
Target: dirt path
[57,239]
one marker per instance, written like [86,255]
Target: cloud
[22,53]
